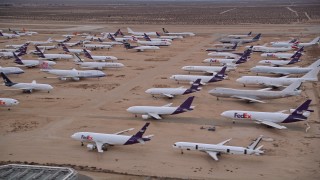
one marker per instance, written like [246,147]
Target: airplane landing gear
[81,143]
[181,151]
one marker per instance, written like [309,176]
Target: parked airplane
[113,41]
[101,141]
[99,58]
[285,70]
[278,81]
[7,35]
[267,49]
[75,51]
[73,43]
[8,102]
[146,37]
[301,113]
[73,73]
[311,43]
[97,46]
[52,56]
[228,62]
[62,40]
[216,149]
[130,31]
[171,92]
[207,69]
[17,46]
[21,51]
[31,63]
[240,36]
[284,43]
[36,43]
[11,70]
[140,48]
[282,62]
[224,54]
[283,55]
[26,32]
[168,37]
[152,43]
[204,79]
[26,87]
[47,47]
[97,65]
[257,95]
[114,34]
[241,41]
[177,33]
[224,48]
[157,111]
[119,39]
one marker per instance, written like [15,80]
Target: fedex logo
[242,116]
[214,60]
[2,102]
[87,137]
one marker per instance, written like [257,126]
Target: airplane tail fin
[164,30]
[118,32]
[130,31]
[22,50]
[295,86]
[140,133]
[100,40]
[303,107]
[127,45]
[158,34]
[185,106]
[255,143]
[195,85]
[17,59]
[235,46]
[111,37]
[295,59]
[221,74]
[301,113]
[315,40]
[87,54]
[294,40]
[257,37]
[313,74]
[249,34]
[1,34]
[77,59]
[64,47]
[297,52]
[315,64]
[6,80]
[40,54]
[146,37]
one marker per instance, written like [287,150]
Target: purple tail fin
[235,46]
[298,113]
[249,33]
[1,34]
[295,59]
[40,52]
[297,52]
[100,40]
[87,54]
[111,37]
[185,106]
[158,34]
[257,37]
[118,32]
[17,59]
[221,74]
[194,87]
[64,48]
[146,37]
[303,107]
[140,133]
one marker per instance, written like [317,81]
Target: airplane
[171,92]
[140,48]
[48,47]
[278,81]
[99,58]
[177,33]
[285,70]
[73,73]
[97,65]
[114,34]
[204,79]
[26,87]
[267,49]
[301,113]
[146,37]
[101,141]
[26,32]
[62,40]
[75,51]
[157,111]
[8,102]
[257,95]
[16,46]
[11,70]
[113,41]
[36,43]
[31,63]
[282,62]
[152,43]
[21,51]
[224,54]
[168,37]
[52,56]
[241,41]
[224,48]
[283,55]
[71,44]
[120,40]
[240,36]
[96,46]
[7,35]
[311,43]
[207,69]
[216,149]
[284,43]
[130,31]
[228,62]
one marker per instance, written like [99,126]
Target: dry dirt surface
[38,130]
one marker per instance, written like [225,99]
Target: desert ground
[38,130]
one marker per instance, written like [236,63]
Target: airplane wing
[99,146]
[154,115]
[223,142]
[265,89]
[248,98]
[212,72]
[213,155]
[167,105]
[168,95]
[121,132]
[272,124]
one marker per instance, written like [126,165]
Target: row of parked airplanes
[46,61]
[101,141]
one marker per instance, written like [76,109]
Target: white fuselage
[47,47]
[163,91]
[271,81]
[229,92]
[280,70]
[7,102]
[180,34]
[32,86]
[39,42]
[11,70]
[269,49]
[278,55]
[191,78]
[275,62]
[154,43]
[224,54]
[104,58]
[100,65]
[276,117]
[170,37]
[238,36]
[75,74]
[151,109]
[207,69]
[109,139]
[33,63]
[220,61]
[14,46]
[142,48]
[95,46]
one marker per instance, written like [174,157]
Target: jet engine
[91,147]
[305,113]
[63,78]
[145,116]
[76,78]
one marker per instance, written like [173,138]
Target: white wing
[223,142]
[213,155]
[121,132]
[248,98]
[167,105]
[154,115]
[272,124]
[99,146]
[168,95]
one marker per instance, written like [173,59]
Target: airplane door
[196,147]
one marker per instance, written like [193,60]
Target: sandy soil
[39,129]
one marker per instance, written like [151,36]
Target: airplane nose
[172,77]
[239,80]
[73,136]
[148,91]
[223,114]
[129,109]
[16,102]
